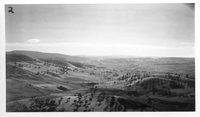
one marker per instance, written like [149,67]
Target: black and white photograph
[137,57]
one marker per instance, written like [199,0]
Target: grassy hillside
[42,55]
[17,58]
[48,82]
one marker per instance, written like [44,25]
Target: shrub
[112,101]
[62,88]
[42,104]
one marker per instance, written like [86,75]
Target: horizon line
[108,56]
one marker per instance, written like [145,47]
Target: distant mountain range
[21,55]
[42,55]
[60,59]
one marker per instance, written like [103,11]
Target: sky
[165,30]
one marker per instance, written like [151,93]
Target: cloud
[33,41]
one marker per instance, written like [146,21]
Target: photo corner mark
[10,10]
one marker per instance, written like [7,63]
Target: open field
[38,81]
